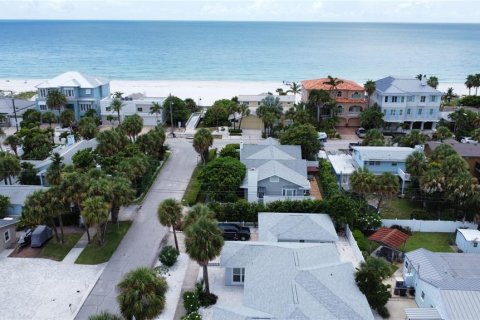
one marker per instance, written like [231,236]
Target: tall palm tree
[67,117]
[49,117]
[56,100]
[55,207]
[117,95]
[244,112]
[387,185]
[370,86]
[95,211]
[416,164]
[202,141]
[54,171]
[470,83]
[156,109]
[362,181]
[203,242]
[433,82]
[169,214]
[442,133]
[141,294]
[13,142]
[196,212]
[295,88]
[122,194]
[318,98]
[450,94]
[9,166]
[333,82]
[270,111]
[476,82]
[116,106]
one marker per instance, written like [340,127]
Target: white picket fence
[430,225]
[353,243]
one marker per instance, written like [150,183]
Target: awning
[392,238]
[422,314]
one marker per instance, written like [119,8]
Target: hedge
[471,101]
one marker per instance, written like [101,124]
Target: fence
[353,243]
[430,225]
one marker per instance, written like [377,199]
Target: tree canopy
[303,135]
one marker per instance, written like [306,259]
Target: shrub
[383,312]
[362,241]
[191,301]
[168,256]
[192,316]
[231,150]
[471,101]
[327,179]
[235,131]
[206,299]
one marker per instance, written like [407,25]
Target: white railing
[267,199]
[353,243]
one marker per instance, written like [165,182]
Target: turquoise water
[253,51]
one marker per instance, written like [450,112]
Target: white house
[447,282]
[254,101]
[467,240]
[283,278]
[407,100]
[134,104]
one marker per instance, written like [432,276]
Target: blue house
[381,159]
[83,92]
[17,195]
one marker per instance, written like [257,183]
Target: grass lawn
[433,241]
[95,254]
[398,208]
[55,251]
[193,189]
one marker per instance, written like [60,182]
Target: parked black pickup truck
[232,231]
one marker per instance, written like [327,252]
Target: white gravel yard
[34,288]
[175,277]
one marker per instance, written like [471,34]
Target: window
[422,99]
[406,264]
[386,98]
[392,112]
[69,93]
[371,163]
[139,109]
[6,235]
[108,108]
[431,111]
[433,98]
[238,275]
[88,91]
[410,98]
[423,295]
[43,107]
[402,99]
[85,106]
[377,163]
[340,109]
[475,244]
[43,93]
[339,94]
[274,179]
[394,99]
[400,112]
[289,192]
[394,164]
[408,111]
[420,111]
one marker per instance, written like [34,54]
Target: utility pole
[171,115]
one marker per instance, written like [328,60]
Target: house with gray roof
[17,195]
[83,92]
[8,233]
[407,100]
[274,172]
[447,282]
[296,227]
[11,108]
[381,159]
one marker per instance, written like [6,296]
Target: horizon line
[239,21]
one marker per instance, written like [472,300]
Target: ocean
[237,51]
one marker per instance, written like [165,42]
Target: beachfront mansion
[407,100]
[83,92]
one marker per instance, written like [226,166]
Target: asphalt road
[141,244]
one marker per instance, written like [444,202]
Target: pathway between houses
[77,249]
[140,246]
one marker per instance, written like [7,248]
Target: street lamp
[13,104]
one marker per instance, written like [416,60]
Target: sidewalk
[72,256]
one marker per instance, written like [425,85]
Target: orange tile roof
[319,84]
[392,238]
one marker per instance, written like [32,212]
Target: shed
[40,235]
[391,239]
[468,240]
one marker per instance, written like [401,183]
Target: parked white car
[468,140]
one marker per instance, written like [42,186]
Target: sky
[417,11]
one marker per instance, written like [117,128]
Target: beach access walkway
[140,246]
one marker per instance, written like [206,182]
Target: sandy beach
[203,92]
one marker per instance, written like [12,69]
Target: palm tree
[362,181]
[442,133]
[49,117]
[433,82]
[453,165]
[169,214]
[281,92]
[122,194]
[117,95]
[420,76]
[318,98]
[54,171]
[95,211]
[13,142]
[196,212]
[333,83]
[470,83]
[202,141]
[476,82]
[55,207]
[432,181]
[270,111]
[203,242]
[476,134]
[56,100]
[156,109]
[387,185]
[111,118]
[10,166]
[141,294]
[416,164]
[370,86]
[105,315]
[295,88]
[116,106]
[442,152]
[67,117]
[244,112]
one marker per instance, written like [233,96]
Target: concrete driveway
[141,244]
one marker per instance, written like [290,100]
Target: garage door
[252,122]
